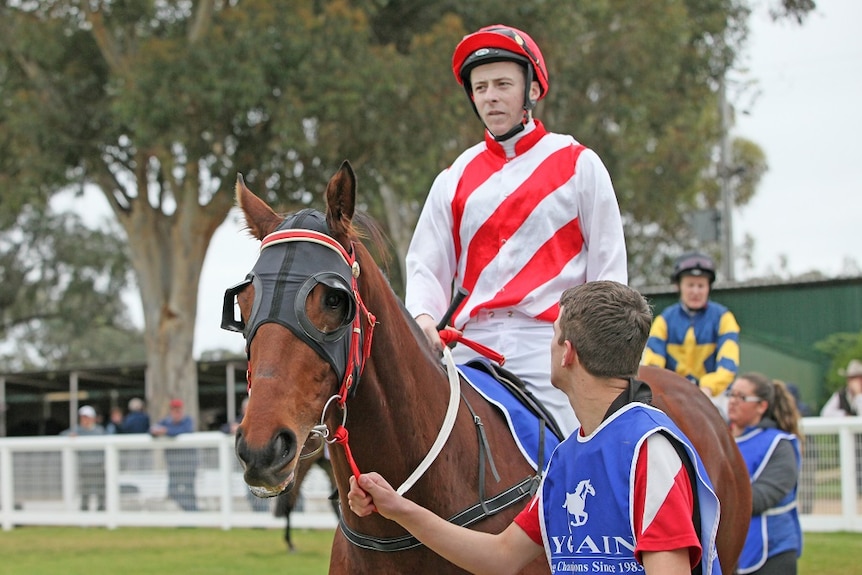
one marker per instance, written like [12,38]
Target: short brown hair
[608,324]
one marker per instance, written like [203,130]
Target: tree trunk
[167,251]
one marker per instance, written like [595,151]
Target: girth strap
[465,518]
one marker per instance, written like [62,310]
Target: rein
[445,429]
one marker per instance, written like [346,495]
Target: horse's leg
[326,465]
[283,508]
[286,502]
[290,547]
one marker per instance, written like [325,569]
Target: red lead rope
[447,336]
[341,438]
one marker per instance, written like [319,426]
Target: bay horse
[308,311]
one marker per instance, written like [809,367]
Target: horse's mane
[365,229]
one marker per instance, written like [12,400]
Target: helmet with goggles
[694,264]
[499,43]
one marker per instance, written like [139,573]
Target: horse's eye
[338,302]
[335,299]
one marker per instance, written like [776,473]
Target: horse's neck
[400,400]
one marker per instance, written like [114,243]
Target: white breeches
[525,342]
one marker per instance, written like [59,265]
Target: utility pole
[727,260]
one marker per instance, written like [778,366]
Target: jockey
[515,220]
[696,337]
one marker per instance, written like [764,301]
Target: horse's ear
[260,219]
[341,201]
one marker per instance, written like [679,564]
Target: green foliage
[841,348]
[61,287]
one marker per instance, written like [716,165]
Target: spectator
[136,420]
[802,407]
[765,422]
[514,220]
[115,421]
[696,337]
[847,400]
[181,463]
[91,464]
[639,489]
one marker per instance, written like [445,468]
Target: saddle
[517,387]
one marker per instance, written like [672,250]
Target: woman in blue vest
[604,505]
[764,419]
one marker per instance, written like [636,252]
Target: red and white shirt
[515,224]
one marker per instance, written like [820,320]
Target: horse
[309,325]
[286,501]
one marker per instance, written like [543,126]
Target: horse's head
[299,311]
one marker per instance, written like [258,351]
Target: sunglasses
[745,398]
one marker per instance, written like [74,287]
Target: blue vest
[777,530]
[586,496]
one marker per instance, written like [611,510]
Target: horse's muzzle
[267,470]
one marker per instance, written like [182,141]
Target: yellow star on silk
[690,355]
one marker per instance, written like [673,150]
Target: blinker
[229,319]
[284,276]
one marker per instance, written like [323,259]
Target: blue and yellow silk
[702,345]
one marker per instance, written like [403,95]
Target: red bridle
[360,339]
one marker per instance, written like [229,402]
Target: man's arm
[666,539]
[667,562]
[655,352]
[601,222]
[430,260]
[474,551]
[778,478]
[726,357]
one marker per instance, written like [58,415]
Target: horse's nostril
[285,445]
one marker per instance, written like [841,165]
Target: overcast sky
[807,117]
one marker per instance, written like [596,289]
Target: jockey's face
[498,93]
[694,291]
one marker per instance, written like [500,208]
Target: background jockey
[515,220]
[696,337]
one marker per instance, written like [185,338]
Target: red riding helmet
[694,264]
[499,43]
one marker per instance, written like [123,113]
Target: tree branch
[202,20]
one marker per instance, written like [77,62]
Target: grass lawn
[139,551]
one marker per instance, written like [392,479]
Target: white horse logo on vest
[576,501]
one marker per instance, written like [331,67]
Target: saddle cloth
[525,425]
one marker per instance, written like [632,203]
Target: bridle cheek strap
[360,351]
[360,348]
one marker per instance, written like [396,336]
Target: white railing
[125,480]
[830,487]
[42,479]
